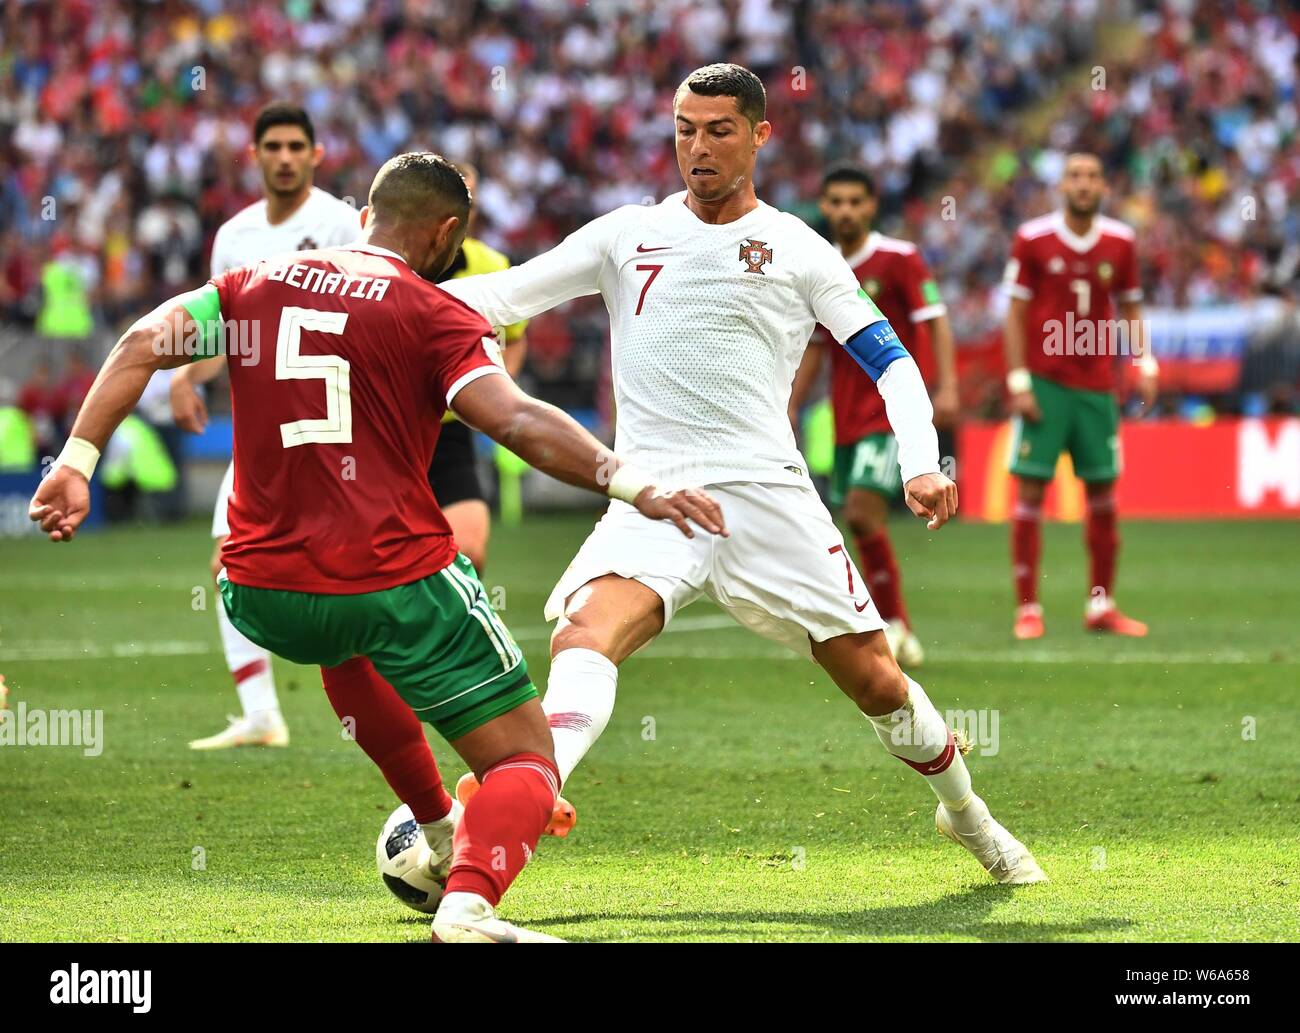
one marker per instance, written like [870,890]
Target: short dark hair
[847,172]
[728,80]
[416,185]
[282,115]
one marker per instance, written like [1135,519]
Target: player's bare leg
[909,727]
[867,514]
[471,526]
[1101,534]
[513,759]
[261,723]
[1026,551]
[604,622]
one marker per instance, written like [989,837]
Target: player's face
[849,209]
[716,146]
[1083,185]
[287,159]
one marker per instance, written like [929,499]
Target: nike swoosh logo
[862,607]
[643,249]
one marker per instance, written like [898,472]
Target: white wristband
[79,454]
[627,483]
[1019,381]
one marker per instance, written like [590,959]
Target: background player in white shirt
[293,215]
[712,296]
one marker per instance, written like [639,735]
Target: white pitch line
[754,649]
[36,650]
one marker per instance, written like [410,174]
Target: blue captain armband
[874,347]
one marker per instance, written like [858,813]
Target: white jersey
[320,221]
[708,325]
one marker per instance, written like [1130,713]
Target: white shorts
[784,572]
[220,525]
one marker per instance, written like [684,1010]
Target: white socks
[918,735]
[250,666]
[579,700]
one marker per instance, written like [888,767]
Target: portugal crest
[755,254]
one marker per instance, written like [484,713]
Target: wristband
[627,483]
[1019,380]
[79,454]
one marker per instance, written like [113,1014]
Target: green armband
[204,307]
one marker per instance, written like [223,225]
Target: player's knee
[882,687]
[865,520]
[572,632]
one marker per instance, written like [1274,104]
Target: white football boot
[468,918]
[265,728]
[999,852]
[438,836]
[905,646]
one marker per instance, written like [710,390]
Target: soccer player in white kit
[712,296]
[293,215]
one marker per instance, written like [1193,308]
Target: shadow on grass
[961,914]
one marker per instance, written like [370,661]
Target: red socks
[502,823]
[390,733]
[1026,549]
[880,568]
[1102,535]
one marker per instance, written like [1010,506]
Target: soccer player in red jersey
[337,548]
[866,474]
[1061,346]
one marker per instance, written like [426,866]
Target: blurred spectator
[123,125]
[41,400]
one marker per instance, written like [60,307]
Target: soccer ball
[401,854]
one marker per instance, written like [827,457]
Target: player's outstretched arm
[157,341]
[551,440]
[569,270]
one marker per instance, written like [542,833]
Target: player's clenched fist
[681,506]
[61,503]
[933,497]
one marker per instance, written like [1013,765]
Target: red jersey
[1068,281]
[895,275]
[336,413]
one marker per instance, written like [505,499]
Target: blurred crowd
[123,125]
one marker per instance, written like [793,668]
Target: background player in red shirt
[866,474]
[337,548]
[1061,344]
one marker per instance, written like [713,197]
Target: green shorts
[1084,422]
[437,640]
[870,463]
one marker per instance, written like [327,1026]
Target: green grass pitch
[735,794]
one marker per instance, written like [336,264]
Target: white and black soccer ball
[400,853]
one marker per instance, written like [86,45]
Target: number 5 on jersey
[291,364]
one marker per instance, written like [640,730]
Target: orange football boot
[563,818]
[1109,619]
[1029,622]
